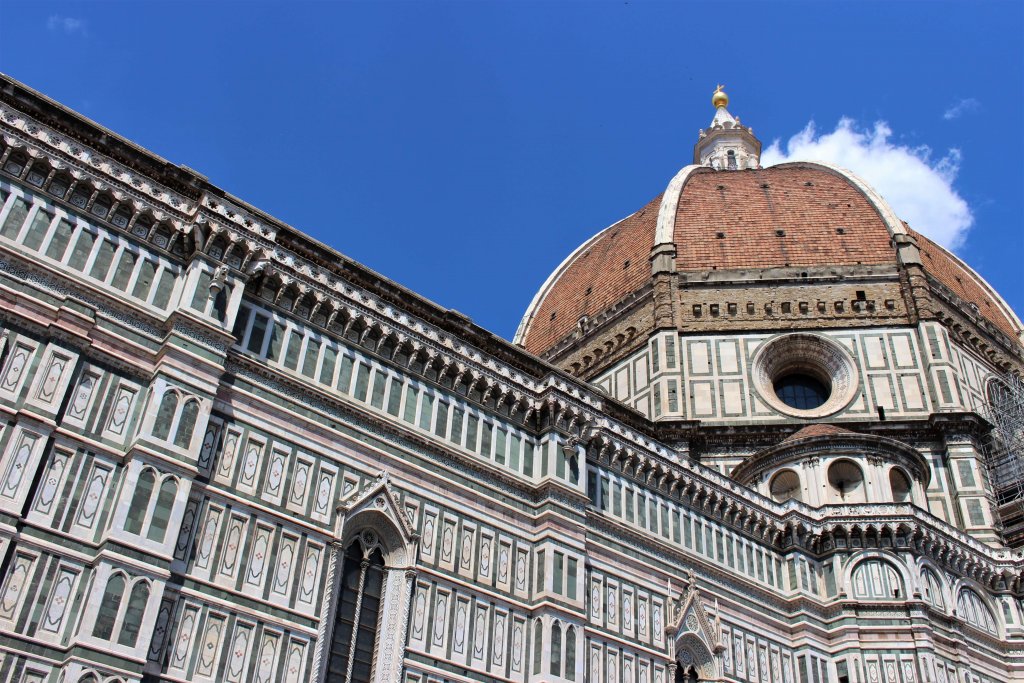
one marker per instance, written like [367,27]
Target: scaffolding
[1004,454]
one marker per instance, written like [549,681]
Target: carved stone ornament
[809,354]
[376,510]
[696,636]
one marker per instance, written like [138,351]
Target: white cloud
[67,25]
[965,106]
[918,188]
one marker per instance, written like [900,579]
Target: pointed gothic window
[556,649]
[356,621]
[133,613]
[112,596]
[165,415]
[538,645]
[570,654]
[140,502]
[186,424]
[162,511]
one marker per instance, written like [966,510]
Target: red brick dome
[791,215]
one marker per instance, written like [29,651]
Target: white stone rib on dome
[666,230]
[663,235]
[531,311]
[895,225]
[983,283]
[892,221]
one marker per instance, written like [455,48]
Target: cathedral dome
[724,218]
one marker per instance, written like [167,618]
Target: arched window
[900,486]
[187,424]
[877,580]
[113,594]
[847,481]
[556,649]
[176,418]
[165,415]
[570,653]
[140,502]
[972,609]
[932,589]
[731,156]
[785,485]
[355,624]
[162,511]
[133,613]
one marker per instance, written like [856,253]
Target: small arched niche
[785,485]
[846,480]
[899,485]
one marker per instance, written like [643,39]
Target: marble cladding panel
[907,372]
[749,656]
[609,661]
[619,607]
[212,643]
[484,635]
[263,468]
[471,549]
[41,596]
[255,555]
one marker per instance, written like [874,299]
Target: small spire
[719,98]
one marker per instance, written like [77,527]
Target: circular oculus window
[804,375]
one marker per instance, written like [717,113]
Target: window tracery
[358,613]
[176,418]
[144,517]
[876,579]
[972,609]
[116,615]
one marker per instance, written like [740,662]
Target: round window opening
[801,391]
[804,375]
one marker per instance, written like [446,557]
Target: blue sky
[465,148]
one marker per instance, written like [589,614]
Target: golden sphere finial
[719,98]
